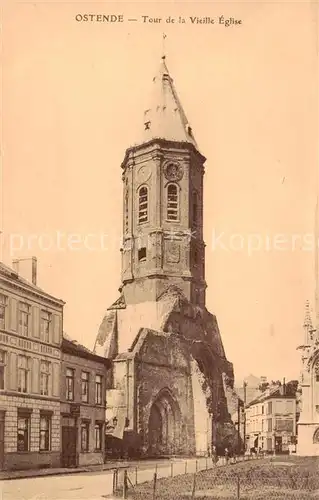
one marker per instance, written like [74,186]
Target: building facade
[271,421]
[168,358]
[30,358]
[84,380]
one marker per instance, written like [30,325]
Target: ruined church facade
[170,373]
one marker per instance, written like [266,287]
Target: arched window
[172,202]
[143,204]
[316,436]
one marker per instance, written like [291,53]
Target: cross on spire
[163,47]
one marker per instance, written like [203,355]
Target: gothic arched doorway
[164,425]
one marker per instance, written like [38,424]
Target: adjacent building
[84,380]
[271,421]
[30,357]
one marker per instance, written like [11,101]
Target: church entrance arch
[164,427]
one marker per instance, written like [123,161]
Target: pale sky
[73,96]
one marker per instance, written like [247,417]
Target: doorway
[164,427]
[69,438]
[278,444]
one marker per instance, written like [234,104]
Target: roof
[164,117]
[73,347]
[275,392]
[11,274]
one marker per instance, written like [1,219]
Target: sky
[73,96]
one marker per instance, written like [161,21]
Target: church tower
[170,374]
[163,203]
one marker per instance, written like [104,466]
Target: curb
[58,473]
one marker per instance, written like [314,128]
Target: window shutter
[12,372]
[13,308]
[55,379]
[35,322]
[35,376]
[56,328]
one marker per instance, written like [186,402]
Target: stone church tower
[170,372]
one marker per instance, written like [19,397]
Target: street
[91,485]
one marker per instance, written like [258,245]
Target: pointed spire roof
[165,118]
[307,321]
[308,327]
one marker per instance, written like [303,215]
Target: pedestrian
[214,455]
[226,455]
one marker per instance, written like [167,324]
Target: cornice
[18,285]
[163,146]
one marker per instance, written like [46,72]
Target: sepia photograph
[159,250]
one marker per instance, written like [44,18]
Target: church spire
[308,328]
[164,117]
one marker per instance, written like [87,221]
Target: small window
[142,254]
[98,389]
[45,433]
[45,326]
[23,433]
[143,204]
[23,374]
[3,304]
[44,378]
[2,368]
[98,436]
[85,387]
[172,202]
[24,318]
[85,427]
[69,384]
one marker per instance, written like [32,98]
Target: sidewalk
[110,465]
[21,474]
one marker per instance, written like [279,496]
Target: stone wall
[32,458]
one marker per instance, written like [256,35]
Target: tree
[264,386]
[291,388]
[275,382]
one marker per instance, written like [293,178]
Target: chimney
[26,268]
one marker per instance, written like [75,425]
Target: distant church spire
[308,328]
